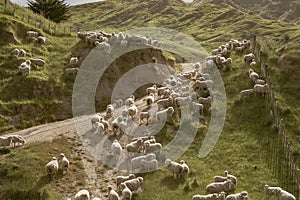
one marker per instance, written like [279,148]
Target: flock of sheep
[25,66]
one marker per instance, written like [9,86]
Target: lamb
[165,102]
[149,148]
[5,141]
[249,57]
[185,168]
[16,140]
[246,93]
[22,53]
[64,163]
[220,186]
[126,192]
[52,167]
[205,197]
[15,52]
[38,62]
[73,61]
[239,196]
[112,194]
[41,40]
[95,118]
[174,167]
[152,89]
[116,148]
[30,34]
[263,89]
[137,161]
[134,184]
[163,114]
[121,179]
[72,70]
[145,115]
[150,165]
[82,195]
[149,99]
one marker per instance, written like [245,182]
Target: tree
[55,10]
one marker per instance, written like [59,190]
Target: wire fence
[282,161]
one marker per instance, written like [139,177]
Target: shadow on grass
[172,183]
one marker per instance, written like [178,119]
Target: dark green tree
[55,10]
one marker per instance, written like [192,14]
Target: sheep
[105,123]
[137,161]
[112,194]
[227,63]
[145,115]
[205,101]
[126,192]
[38,62]
[152,89]
[263,89]
[52,167]
[134,146]
[25,70]
[165,102]
[103,46]
[129,101]
[246,93]
[185,168]
[231,177]
[198,107]
[124,43]
[72,70]
[116,123]
[150,165]
[15,52]
[64,163]
[220,186]
[205,197]
[121,179]
[249,57]
[30,34]
[116,148]
[134,184]
[99,127]
[22,53]
[41,40]
[174,167]
[272,191]
[163,114]
[253,75]
[202,85]
[160,91]
[182,101]
[118,102]
[149,148]
[109,110]
[259,81]
[95,118]
[132,111]
[82,195]
[96,198]
[284,195]
[239,196]
[253,62]
[16,140]
[5,141]
[73,61]
[149,99]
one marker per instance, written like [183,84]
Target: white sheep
[174,167]
[145,115]
[249,57]
[166,102]
[253,62]
[284,195]
[152,89]
[118,102]
[112,194]
[227,63]
[72,70]
[246,93]
[5,141]
[253,75]
[231,177]
[82,195]
[134,147]
[134,184]
[109,110]
[198,107]
[263,89]
[121,179]
[132,111]
[163,114]
[30,34]
[24,68]
[126,192]
[116,148]
[129,101]
[96,198]
[64,163]
[52,167]
[183,100]
[103,46]
[239,196]
[38,62]
[149,99]
[16,140]
[272,191]
[15,52]
[206,101]
[22,53]
[150,148]
[95,118]
[136,162]
[73,61]
[41,40]
[149,165]
[99,127]
[185,168]
[124,43]
[220,186]
[205,197]
[105,123]
[116,123]
[259,81]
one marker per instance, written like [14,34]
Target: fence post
[70,30]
